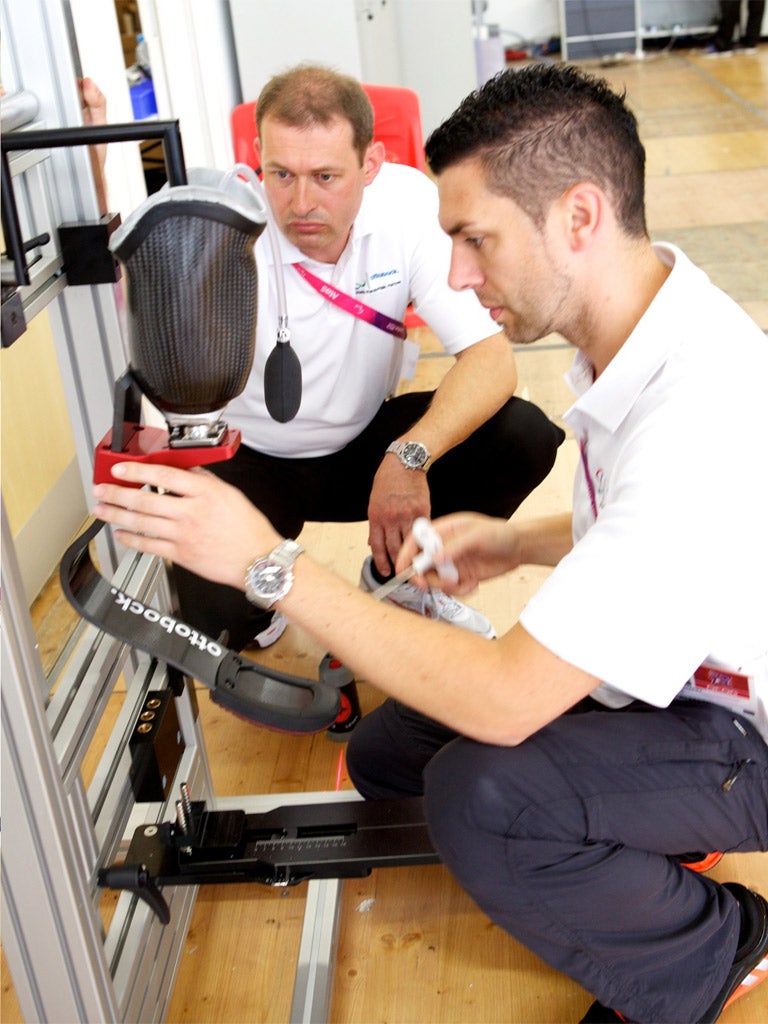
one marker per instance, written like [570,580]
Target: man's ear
[257,153]
[583,207]
[372,161]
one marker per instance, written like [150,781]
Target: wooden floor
[412,946]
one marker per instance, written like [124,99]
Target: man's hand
[480,547]
[92,101]
[398,496]
[482,378]
[93,104]
[202,523]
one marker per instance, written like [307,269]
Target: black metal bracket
[156,746]
[14,322]
[85,251]
[282,847]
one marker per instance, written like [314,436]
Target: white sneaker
[272,633]
[433,604]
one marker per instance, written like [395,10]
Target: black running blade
[273,699]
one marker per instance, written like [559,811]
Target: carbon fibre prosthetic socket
[192,298]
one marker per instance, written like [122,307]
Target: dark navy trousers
[569,840]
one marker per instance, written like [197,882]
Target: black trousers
[730,16]
[568,841]
[492,472]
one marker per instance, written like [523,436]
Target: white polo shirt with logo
[397,253]
[669,568]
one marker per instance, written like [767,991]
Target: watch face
[414,454]
[268,580]
[271,577]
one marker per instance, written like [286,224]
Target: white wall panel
[425,44]
[437,54]
[273,35]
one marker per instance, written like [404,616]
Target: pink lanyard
[353,306]
[590,485]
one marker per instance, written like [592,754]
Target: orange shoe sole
[750,983]
[705,864]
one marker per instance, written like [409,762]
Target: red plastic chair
[243,122]
[396,123]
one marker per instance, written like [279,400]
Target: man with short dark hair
[622,722]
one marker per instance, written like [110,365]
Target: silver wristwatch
[412,454]
[269,578]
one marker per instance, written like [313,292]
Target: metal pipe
[88,135]
[17,109]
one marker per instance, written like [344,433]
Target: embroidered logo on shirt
[378,282]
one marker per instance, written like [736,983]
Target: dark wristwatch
[271,577]
[412,454]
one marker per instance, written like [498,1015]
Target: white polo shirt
[397,253]
[669,568]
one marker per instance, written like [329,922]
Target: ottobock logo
[378,282]
[166,622]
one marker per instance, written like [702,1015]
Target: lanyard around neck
[353,306]
[587,474]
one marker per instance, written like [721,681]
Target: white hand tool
[430,543]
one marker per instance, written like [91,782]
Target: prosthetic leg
[188,257]
[192,305]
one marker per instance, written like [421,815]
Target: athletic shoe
[599,1014]
[713,51]
[271,632]
[432,604]
[749,967]
[700,861]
